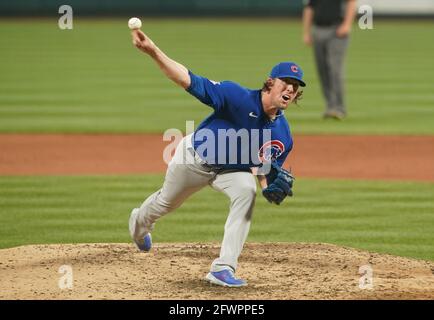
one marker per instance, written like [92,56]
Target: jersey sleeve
[217,95]
[281,159]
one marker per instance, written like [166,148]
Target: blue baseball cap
[288,70]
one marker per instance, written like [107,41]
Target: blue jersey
[238,134]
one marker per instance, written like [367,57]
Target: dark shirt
[327,12]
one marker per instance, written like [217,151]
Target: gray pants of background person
[186,174]
[329,55]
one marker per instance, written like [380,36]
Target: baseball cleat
[225,278]
[143,244]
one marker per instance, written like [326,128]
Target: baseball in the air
[134,23]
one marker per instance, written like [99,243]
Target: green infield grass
[91,79]
[395,218]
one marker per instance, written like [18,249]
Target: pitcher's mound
[177,271]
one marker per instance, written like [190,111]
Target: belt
[216,168]
[326,24]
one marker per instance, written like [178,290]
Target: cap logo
[294,69]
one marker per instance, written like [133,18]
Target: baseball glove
[279,184]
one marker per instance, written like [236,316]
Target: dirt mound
[176,271]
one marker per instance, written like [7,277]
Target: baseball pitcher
[213,155]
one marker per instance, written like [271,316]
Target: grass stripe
[391,217]
[90,79]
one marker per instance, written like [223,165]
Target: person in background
[327,25]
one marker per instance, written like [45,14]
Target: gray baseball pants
[186,174]
[329,55]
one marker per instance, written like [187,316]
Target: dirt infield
[352,157]
[274,271]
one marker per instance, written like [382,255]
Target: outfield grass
[395,218]
[91,79]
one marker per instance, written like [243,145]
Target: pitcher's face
[283,92]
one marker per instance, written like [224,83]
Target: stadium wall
[258,8]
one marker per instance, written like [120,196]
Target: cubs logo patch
[271,150]
[294,69]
